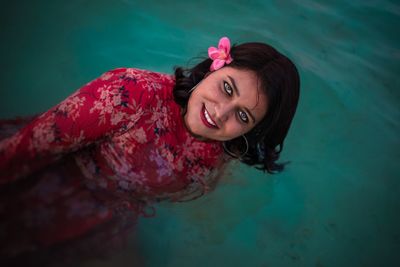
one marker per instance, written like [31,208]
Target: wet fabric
[75,178]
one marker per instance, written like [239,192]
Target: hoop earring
[233,154]
[194,87]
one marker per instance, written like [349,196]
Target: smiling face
[225,104]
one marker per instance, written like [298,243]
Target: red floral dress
[88,167]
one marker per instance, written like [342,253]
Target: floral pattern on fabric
[125,144]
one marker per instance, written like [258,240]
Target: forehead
[246,80]
[252,96]
[246,75]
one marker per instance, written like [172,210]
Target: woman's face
[225,104]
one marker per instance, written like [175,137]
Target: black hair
[280,81]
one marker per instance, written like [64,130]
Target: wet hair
[279,79]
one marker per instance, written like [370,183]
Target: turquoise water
[337,204]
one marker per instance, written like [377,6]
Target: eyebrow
[238,93]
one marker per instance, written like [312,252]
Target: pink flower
[220,55]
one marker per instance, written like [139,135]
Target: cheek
[234,129]
[212,92]
[193,103]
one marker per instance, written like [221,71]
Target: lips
[204,119]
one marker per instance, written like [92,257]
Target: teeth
[208,118]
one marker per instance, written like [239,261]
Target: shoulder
[147,81]
[139,75]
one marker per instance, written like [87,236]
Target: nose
[222,112]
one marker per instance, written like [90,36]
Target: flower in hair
[220,55]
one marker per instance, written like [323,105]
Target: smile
[206,118]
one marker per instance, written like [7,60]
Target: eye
[228,88]
[243,116]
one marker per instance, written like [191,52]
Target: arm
[94,112]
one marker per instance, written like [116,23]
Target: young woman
[88,167]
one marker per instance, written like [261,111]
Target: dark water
[337,204]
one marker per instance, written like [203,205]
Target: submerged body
[97,161]
[80,174]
